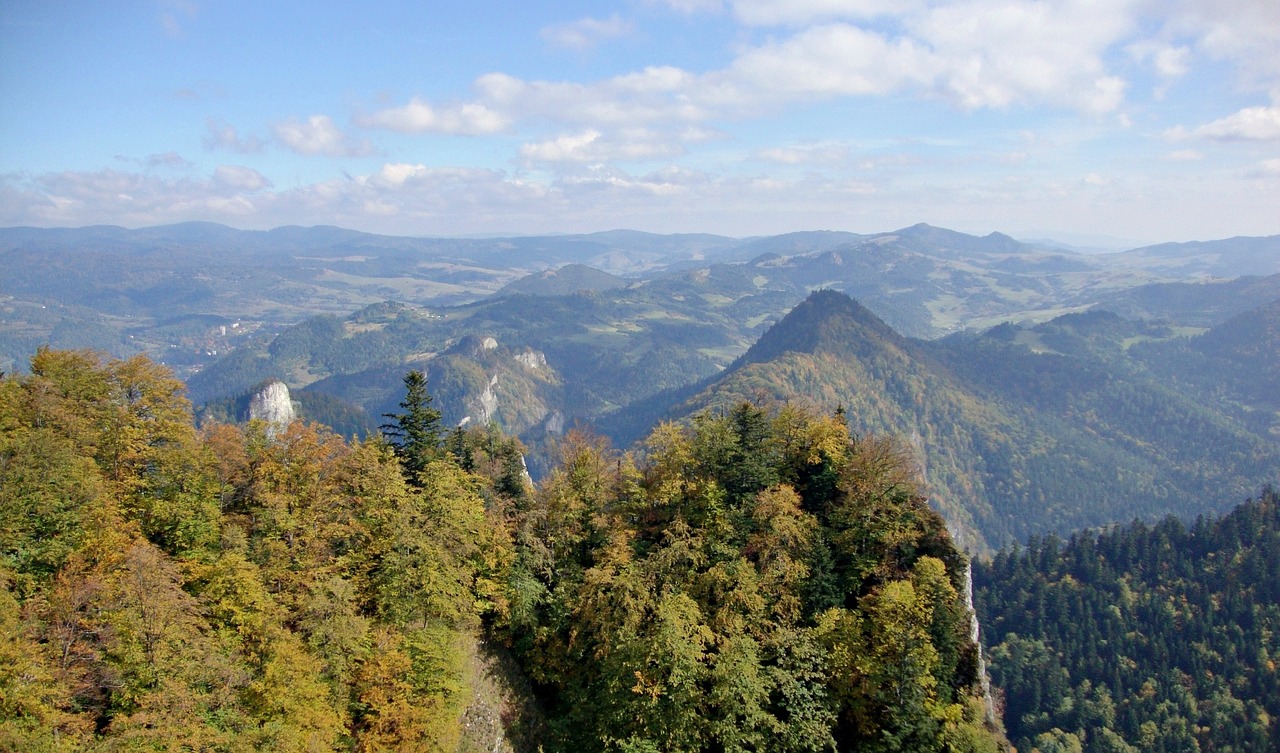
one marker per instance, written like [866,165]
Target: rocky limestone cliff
[273,405]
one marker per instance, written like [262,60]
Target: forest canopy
[1142,638]
[755,580]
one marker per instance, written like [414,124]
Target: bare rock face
[273,405]
[532,360]
[489,401]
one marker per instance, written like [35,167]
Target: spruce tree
[415,432]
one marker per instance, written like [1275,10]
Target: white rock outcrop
[273,405]
[532,360]
[488,401]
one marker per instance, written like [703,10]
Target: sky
[1094,122]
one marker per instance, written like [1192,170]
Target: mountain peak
[570,278]
[827,320]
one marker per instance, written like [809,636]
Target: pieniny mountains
[1037,389]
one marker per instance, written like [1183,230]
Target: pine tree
[415,433]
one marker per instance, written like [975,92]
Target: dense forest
[755,580]
[1142,638]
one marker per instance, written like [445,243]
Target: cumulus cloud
[221,135]
[693,6]
[593,146]
[821,154]
[165,161]
[973,53]
[1267,168]
[1249,124]
[240,178]
[586,33]
[119,197]
[800,12]
[1167,60]
[1244,32]
[418,116]
[319,135]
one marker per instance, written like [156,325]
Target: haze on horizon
[1152,121]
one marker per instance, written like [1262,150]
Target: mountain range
[169,291]
[1038,389]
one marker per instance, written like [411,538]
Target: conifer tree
[415,433]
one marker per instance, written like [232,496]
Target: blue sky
[1145,120]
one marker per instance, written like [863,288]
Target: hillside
[1193,304]
[571,278]
[1152,638]
[762,581]
[1233,367]
[1019,431]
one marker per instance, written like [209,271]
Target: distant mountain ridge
[571,278]
[110,287]
[1012,440]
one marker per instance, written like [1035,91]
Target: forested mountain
[761,580]
[1048,428]
[1229,257]
[186,294]
[1193,304]
[571,278]
[1022,428]
[1140,638]
[1234,367]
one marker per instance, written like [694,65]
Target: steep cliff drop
[974,635]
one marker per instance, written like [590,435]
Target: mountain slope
[1153,638]
[1011,441]
[571,278]
[1229,257]
[1193,304]
[115,286]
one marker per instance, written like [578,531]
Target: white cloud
[1267,168]
[319,135]
[586,33]
[824,61]
[1249,124]
[693,6]
[165,161]
[468,119]
[993,54]
[974,53]
[1244,32]
[112,196]
[801,12]
[821,154]
[417,199]
[1184,155]
[222,135]
[171,160]
[1167,60]
[240,178]
[593,146]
